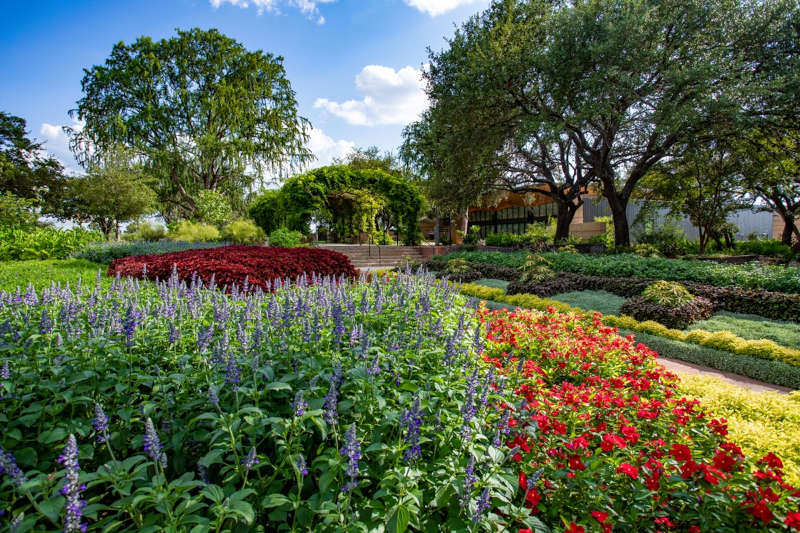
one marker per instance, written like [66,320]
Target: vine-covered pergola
[353,201]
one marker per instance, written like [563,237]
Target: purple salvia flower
[352,451]
[100,423]
[213,398]
[374,368]
[329,411]
[251,460]
[469,481]
[482,505]
[413,421]
[486,386]
[477,340]
[5,371]
[72,487]
[174,333]
[152,444]
[469,409]
[45,323]
[299,404]
[233,373]
[8,466]
[301,466]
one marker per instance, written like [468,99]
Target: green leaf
[398,522]
[275,500]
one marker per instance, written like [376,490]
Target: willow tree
[201,112]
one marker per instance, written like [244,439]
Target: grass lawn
[602,301]
[753,327]
[493,283]
[15,274]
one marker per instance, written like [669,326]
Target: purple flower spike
[8,466]
[5,371]
[152,444]
[413,420]
[352,451]
[251,460]
[482,505]
[301,465]
[299,404]
[72,487]
[100,423]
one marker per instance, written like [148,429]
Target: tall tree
[704,184]
[202,112]
[626,82]
[26,171]
[114,190]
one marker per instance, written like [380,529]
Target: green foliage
[145,230]
[456,267]
[285,238]
[106,252]
[243,232]
[199,109]
[644,250]
[536,269]
[669,294]
[768,247]
[44,242]
[189,231]
[268,212]
[25,169]
[212,207]
[351,201]
[506,240]
[672,316]
[16,212]
[40,273]
[568,249]
[473,235]
[668,238]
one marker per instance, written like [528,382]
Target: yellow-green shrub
[189,231]
[758,422]
[243,232]
[479,291]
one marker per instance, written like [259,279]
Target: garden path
[674,365]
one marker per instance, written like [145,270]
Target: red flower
[533,497]
[680,452]
[771,460]
[575,463]
[761,511]
[664,521]
[575,528]
[628,469]
[792,520]
[600,516]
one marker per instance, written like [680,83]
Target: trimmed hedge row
[775,305]
[720,340]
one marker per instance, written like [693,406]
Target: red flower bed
[604,441]
[231,265]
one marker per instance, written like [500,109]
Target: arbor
[625,82]
[25,169]
[201,111]
[113,191]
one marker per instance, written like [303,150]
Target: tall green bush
[285,238]
[189,231]
[243,232]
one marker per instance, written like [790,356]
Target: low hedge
[724,341]
[769,304]
[679,317]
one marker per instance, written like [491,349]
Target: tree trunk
[465,222]
[116,230]
[789,228]
[622,235]
[436,231]
[565,214]
[703,238]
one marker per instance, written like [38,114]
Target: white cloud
[307,7]
[390,97]
[326,149]
[438,7]
[56,143]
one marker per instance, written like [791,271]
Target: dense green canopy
[348,200]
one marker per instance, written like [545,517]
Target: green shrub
[145,231]
[668,294]
[267,211]
[672,316]
[568,249]
[505,240]
[16,212]
[537,269]
[106,252]
[473,236]
[285,238]
[189,231]
[645,250]
[44,242]
[212,207]
[457,266]
[772,248]
[243,232]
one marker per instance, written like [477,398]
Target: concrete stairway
[372,257]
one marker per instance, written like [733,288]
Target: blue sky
[354,64]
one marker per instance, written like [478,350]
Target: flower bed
[751,276]
[232,265]
[108,251]
[604,441]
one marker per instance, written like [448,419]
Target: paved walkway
[674,365]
